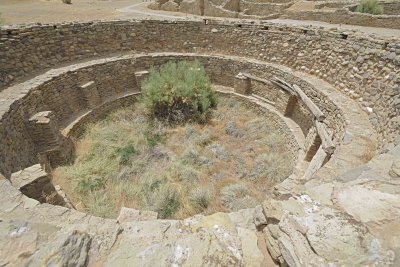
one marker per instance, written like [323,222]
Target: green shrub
[178,92]
[370,7]
[154,139]
[148,185]
[125,153]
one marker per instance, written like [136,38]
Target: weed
[200,198]
[236,197]
[100,204]
[132,160]
[181,172]
[166,201]
[125,153]
[154,139]
[370,7]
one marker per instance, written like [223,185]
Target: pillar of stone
[312,143]
[52,147]
[242,84]
[90,94]
[44,131]
[140,77]
[285,103]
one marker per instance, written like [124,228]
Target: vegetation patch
[225,163]
[178,92]
[370,7]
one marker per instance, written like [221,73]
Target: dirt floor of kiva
[227,164]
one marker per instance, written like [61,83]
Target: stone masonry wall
[222,70]
[59,91]
[345,16]
[365,68]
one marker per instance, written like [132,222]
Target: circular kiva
[335,94]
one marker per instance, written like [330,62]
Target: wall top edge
[11,30]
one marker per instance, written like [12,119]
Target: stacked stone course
[365,68]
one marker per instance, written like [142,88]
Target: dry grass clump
[200,198]
[130,160]
[237,196]
[369,6]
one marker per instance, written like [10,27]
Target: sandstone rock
[129,215]
[169,243]
[272,244]
[337,237]
[321,193]
[70,249]
[288,251]
[259,217]
[243,218]
[154,6]
[19,239]
[395,169]
[252,255]
[294,246]
[218,219]
[375,205]
[274,210]
[274,230]
[170,6]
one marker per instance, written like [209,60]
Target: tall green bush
[178,92]
[370,7]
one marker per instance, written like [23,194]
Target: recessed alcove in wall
[87,92]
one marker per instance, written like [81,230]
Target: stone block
[34,183]
[285,103]
[242,84]
[90,94]
[140,77]
[130,215]
[312,143]
[44,131]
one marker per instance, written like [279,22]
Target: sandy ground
[47,11]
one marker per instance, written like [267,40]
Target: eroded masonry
[337,95]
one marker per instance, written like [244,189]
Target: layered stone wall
[336,216]
[58,91]
[345,16]
[63,91]
[364,68]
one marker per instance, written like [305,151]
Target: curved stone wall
[334,210]
[63,92]
[364,68]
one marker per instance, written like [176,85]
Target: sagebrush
[179,92]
